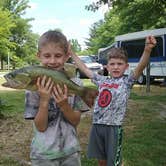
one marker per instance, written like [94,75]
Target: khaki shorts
[72,160]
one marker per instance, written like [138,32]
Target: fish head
[17,79]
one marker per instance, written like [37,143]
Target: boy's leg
[96,145]
[114,146]
[105,144]
[102,162]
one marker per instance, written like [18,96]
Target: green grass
[144,129]
[7,161]
[14,99]
[144,138]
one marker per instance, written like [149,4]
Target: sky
[68,15]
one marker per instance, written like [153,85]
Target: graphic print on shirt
[54,113]
[105,96]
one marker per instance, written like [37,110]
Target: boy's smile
[116,67]
[53,56]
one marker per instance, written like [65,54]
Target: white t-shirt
[60,138]
[111,102]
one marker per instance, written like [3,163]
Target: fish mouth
[13,84]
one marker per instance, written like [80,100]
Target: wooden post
[148,78]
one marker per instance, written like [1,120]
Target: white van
[134,44]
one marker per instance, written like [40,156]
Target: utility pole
[8,61]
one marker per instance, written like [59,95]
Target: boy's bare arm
[41,119]
[80,64]
[61,98]
[149,44]
[72,116]
[44,89]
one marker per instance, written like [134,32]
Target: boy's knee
[102,162]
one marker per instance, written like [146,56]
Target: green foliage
[125,17]
[17,39]
[142,9]
[96,5]
[85,52]
[16,7]
[75,46]
[6,24]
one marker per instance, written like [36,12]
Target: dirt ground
[15,137]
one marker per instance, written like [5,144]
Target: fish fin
[70,70]
[89,96]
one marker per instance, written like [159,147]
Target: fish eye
[10,75]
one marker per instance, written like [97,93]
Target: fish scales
[25,78]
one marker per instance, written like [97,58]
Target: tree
[148,14]
[21,34]
[102,33]
[16,7]
[75,46]
[96,5]
[6,24]
[127,16]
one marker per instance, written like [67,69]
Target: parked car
[90,63]
[94,57]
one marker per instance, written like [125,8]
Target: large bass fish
[26,77]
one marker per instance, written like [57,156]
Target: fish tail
[89,95]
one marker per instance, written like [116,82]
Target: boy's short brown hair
[118,53]
[53,36]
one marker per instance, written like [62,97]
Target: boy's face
[53,56]
[116,67]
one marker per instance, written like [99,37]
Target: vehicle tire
[78,75]
[141,79]
[103,72]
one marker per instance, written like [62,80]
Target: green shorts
[105,143]
[71,160]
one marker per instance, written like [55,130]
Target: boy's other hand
[150,42]
[60,94]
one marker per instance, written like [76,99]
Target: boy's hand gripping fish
[26,77]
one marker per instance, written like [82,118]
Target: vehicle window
[86,59]
[135,48]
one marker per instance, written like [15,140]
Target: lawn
[144,138]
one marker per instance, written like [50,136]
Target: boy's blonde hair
[118,53]
[53,36]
